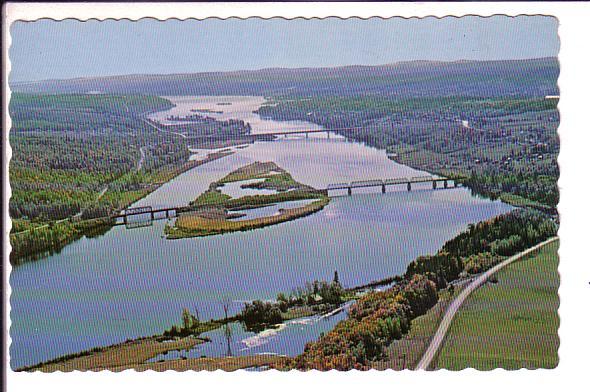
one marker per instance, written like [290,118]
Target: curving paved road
[441,332]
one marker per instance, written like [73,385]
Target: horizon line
[78,78]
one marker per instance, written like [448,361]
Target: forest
[84,156]
[380,317]
[66,149]
[522,78]
[506,147]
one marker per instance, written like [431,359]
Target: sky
[48,49]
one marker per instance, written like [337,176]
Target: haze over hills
[519,78]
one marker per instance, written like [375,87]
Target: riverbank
[140,353]
[429,282]
[379,319]
[176,273]
[214,210]
[508,150]
[54,236]
[409,157]
[124,355]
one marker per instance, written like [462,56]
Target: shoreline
[81,228]
[115,351]
[225,227]
[211,210]
[136,353]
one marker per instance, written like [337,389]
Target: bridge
[444,183]
[168,212]
[171,212]
[270,135]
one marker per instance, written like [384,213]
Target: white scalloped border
[80,11]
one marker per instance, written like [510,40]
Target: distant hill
[524,78]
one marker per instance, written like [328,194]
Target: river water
[133,282]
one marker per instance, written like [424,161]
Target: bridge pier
[409,186]
[383,188]
[446,184]
[152,215]
[167,211]
[328,134]
[306,135]
[434,184]
[349,191]
[125,219]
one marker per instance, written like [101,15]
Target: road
[38,227]
[151,124]
[443,328]
[141,160]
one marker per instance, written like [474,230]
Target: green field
[511,324]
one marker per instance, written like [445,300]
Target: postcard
[291,194]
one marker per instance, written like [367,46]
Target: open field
[510,324]
[125,355]
[367,338]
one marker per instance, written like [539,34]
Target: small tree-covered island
[400,214]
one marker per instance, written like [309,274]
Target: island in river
[217,212]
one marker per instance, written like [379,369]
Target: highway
[443,328]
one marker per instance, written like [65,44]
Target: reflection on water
[130,283]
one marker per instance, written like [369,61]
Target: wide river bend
[133,282]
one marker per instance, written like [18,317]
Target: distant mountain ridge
[534,77]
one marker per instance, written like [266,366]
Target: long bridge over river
[170,212]
[270,135]
[437,182]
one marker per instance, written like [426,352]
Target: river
[133,282]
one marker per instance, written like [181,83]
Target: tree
[186,319]
[336,280]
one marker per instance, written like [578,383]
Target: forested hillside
[522,78]
[506,147]
[83,156]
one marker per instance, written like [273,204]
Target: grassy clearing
[124,356]
[296,312]
[280,182]
[252,171]
[519,201]
[511,324]
[211,197]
